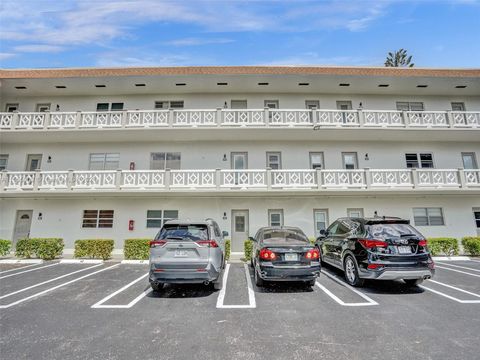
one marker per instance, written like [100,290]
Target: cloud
[39,48]
[197,41]
[313,58]
[4,56]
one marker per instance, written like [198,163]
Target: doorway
[23,222]
[239,229]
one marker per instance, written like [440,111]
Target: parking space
[83,306]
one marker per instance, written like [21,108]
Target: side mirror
[324,233]
[224,233]
[251,239]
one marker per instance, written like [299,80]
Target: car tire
[351,272]
[258,280]
[218,284]
[413,282]
[156,287]
[311,283]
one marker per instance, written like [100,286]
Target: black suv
[382,248]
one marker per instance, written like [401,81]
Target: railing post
[15,119]
[319,178]
[218,117]
[368,178]
[266,114]
[70,179]
[118,179]
[361,118]
[461,178]
[124,118]
[3,179]
[46,119]
[449,118]
[218,178]
[269,178]
[78,119]
[170,117]
[405,118]
[414,178]
[36,179]
[168,179]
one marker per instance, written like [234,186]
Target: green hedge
[227,249]
[136,249]
[43,248]
[443,246]
[94,248]
[247,249]
[471,244]
[5,246]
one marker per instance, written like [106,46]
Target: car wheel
[258,280]
[413,282]
[311,283]
[351,272]
[156,287]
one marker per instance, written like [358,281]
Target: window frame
[268,103]
[474,159]
[455,103]
[476,220]
[428,216]
[356,166]
[11,105]
[162,218]
[165,159]
[419,160]
[398,105]
[275,212]
[325,211]
[347,103]
[311,153]
[104,161]
[4,157]
[360,211]
[97,219]
[40,106]
[168,104]
[277,153]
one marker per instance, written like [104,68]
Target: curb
[140,262]
[23,261]
[81,261]
[450,258]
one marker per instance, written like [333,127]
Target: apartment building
[114,153]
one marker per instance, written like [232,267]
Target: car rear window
[284,236]
[386,231]
[184,232]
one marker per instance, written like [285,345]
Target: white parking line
[449,296]
[25,271]
[251,294]
[458,266]
[99,305]
[19,268]
[46,282]
[56,287]
[459,271]
[370,302]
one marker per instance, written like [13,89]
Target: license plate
[291,257]
[180,253]
[404,249]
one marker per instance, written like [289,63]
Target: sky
[117,33]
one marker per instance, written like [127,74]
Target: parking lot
[106,310]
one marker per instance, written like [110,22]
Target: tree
[399,59]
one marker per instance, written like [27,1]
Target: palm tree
[399,59]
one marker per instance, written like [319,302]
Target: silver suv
[187,252]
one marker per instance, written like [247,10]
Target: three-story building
[114,153]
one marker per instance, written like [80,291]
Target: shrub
[312,240]
[5,246]
[443,246]
[94,248]
[227,249]
[136,249]
[43,248]
[471,244]
[247,249]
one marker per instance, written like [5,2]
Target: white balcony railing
[263,179]
[177,118]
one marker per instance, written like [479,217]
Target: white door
[34,161]
[239,229]
[22,224]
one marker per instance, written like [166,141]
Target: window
[97,219]
[238,104]
[344,105]
[275,217]
[422,160]
[312,104]
[42,107]
[350,160]
[165,160]
[174,104]
[469,161]
[104,161]
[3,161]
[320,219]
[409,106]
[476,216]
[11,107]
[106,107]
[458,106]
[274,160]
[316,160]
[428,216]
[355,213]
[156,218]
[271,104]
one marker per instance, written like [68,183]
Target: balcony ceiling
[242,83]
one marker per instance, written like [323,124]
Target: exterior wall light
[224,157]
[49,159]
[366,157]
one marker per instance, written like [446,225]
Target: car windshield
[272,236]
[385,231]
[183,232]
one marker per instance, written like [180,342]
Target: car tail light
[422,242]
[267,254]
[207,243]
[372,243]
[312,254]
[374,266]
[157,243]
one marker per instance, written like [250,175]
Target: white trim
[19,268]
[98,305]
[25,271]
[459,271]
[23,261]
[449,296]
[461,267]
[251,294]
[141,262]
[81,261]
[450,258]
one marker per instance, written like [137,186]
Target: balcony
[245,181]
[228,118]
